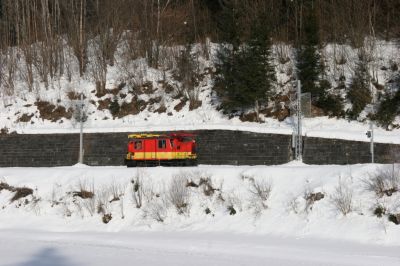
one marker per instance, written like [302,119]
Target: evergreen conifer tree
[257,71]
[227,83]
[359,92]
[388,109]
[310,70]
[308,64]
[245,72]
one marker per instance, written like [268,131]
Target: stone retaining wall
[214,147]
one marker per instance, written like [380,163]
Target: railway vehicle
[174,149]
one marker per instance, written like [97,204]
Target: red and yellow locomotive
[161,149]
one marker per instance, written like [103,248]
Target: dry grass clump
[5,186]
[20,192]
[84,194]
[84,191]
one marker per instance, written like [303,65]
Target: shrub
[102,198]
[114,107]
[116,191]
[137,191]
[379,211]
[359,97]
[394,218]
[332,105]
[385,181]
[179,194]
[87,198]
[106,218]
[261,191]
[342,198]
[232,201]
[311,198]
[231,210]
[88,204]
[85,191]
[121,208]
[388,109]
[157,210]
[206,184]
[293,205]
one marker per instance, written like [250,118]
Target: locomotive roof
[150,136]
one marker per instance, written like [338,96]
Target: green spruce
[309,68]
[388,109]
[359,93]
[246,75]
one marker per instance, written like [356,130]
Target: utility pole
[371,127]
[297,142]
[81,104]
[299,123]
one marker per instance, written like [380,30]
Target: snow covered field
[38,248]
[55,227]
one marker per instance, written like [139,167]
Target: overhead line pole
[299,123]
[81,131]
[372,142]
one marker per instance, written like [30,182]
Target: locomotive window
[138,145]
[172,143]
[162,144]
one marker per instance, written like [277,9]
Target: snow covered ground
[38,248]
[54,227]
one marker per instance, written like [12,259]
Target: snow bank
[286,212]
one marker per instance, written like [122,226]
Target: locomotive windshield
[138,145]
[162,144]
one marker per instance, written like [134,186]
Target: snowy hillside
[152,99]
